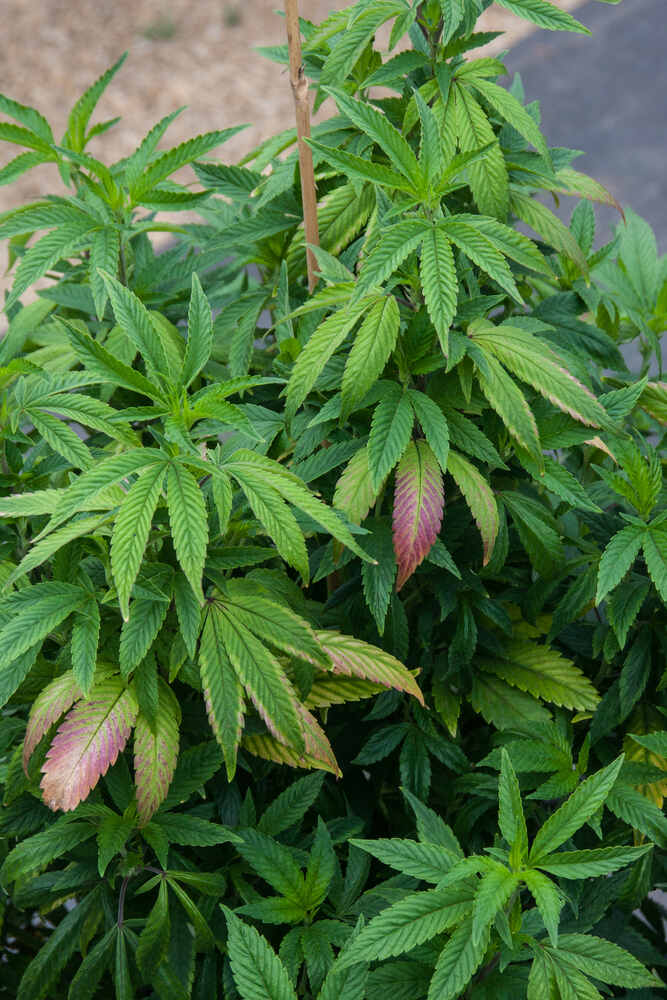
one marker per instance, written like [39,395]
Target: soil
[202,54]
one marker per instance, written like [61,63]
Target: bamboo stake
[302,107]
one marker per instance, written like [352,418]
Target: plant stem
[300,91]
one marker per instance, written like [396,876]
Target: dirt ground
[201,54]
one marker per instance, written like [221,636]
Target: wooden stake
[300,91]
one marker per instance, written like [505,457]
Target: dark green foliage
[411,537]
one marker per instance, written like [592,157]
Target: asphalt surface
[607,95]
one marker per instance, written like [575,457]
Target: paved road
[607,95]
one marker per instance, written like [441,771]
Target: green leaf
[85,638]
[509,242]
[189,613]
[548,226]
[429,862]
[258,972]
[396,243]
[274,863]
[488,175]
[131,531]
[171,160]
[43,255]
[80,114]
[43,848]
[624,606]
[87,977]
[275,516]
[655,555]
[511,819]
[439,282]
[510,404]
[480,249]
[200,334]
[192,831]
[457,963]
[188,522]
[62,439]
[362,169]
[545,673]
[375,125]
[618,557]
[327,338]
[592,864]
[491,897]
[223,692]
[321,867]
[290,806]
[391,428]
[605,961]
[549,901]
[410,922]
[431,828]
[112,835]
[373,344]
[155,753]
[653,742]
[480,499]
[99,361]
[545,15]
[25,115]
[155,935]
[139,632]
[133,317]
[575,811]
[104,252]
[354,493]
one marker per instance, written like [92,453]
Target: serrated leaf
[354,658]
[155,935]
[410,922]
[51,702]
[87,977]
[655,555]
[131,530]
[258,972]
[61,438]
[395,245]
[57,245]
[617,558]
[373,344]
[510,404]
[457,963]
[549,901]
[291,805]
[605,961]
[488,175]
[222,690]
[579,807]
[492,895]
[544,14]
[133,317]
[87,743]
[418,507]
[439,282]
[511,819]
[200,334]
[354,493]
[188,522]
[548,226]
[172,160]
[545,673]
[155,754]
[480,249]
[378,580]
[139,632]
[85,638]
[479,498]
[391,428]
[429,862]
[591,864]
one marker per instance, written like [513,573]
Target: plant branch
[300,91]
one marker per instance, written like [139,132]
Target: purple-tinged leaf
[155,755]
[52,702]
[87,744]
[419,500]
[354,658]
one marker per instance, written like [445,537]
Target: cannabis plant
[407,532]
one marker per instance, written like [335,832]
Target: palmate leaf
[418,508]
[373,344]
[51,702]
[605,961]
[133,317]
[200,334]
[172,160]
[155,754]
[354,658]
[544,673]
[497,885]
[87,743]
[429,862]
[98,361]
[363,169]
[396,244]
[514,113]
[590,864]
[549,901]
[617,558]
[481,250]
[57,245]
[439,282]
[479,497]
[544,14]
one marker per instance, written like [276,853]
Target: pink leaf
[155,755]
[354,658]
[419,500]
[52,702]
[87,744]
